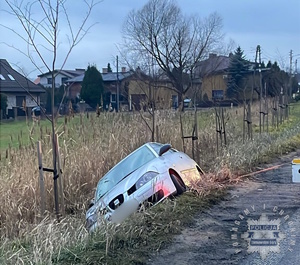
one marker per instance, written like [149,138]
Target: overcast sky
[273,24]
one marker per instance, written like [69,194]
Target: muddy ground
[221,235]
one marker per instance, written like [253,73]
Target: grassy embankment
[89,148]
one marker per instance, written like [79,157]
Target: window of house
[49,81]
[11,77]
[113,97]
[175,101]
[20,100]
[218,94]
[2,77]
[64,80]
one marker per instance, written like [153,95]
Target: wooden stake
[60,181]
[244,120]
[223,125]
[157,134]
[217,131]
[182,134]
[249,122]
[41,178]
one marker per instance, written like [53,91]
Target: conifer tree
[275,79]
[92,86]
[238,67]
[109,70]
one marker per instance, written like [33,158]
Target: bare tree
[41,23]
[176,42]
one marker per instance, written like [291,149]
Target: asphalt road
[257,223]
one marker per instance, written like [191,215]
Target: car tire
[178,183]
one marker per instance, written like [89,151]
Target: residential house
[162,92]
[61,77]
[22,94]
[135,90]
[214,75]
[128,85]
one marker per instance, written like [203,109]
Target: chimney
[123,69]
[104,71]
[212,55]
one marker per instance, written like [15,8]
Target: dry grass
[41,241]
[89,148]
[213,181]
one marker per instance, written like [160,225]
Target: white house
[61,77]
[22,94]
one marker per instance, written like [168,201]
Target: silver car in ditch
[146,176]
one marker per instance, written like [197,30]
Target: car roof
[155,146]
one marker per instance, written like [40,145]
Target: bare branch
[177,43]
[77,37]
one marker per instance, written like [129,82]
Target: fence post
[244,121]
[250,131]
[182,134]
[60,182]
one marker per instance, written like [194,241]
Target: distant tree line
[240,70]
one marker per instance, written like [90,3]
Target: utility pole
[258,54]
[291,63]
[118,89]
[266,109]
[296,72]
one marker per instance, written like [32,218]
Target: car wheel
[178,183]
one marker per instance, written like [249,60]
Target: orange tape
[263,170]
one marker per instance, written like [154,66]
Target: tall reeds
[90,146]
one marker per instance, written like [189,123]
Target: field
[89,147]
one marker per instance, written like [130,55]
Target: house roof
[213,64]
[67,73]
[12,81]
[107,77]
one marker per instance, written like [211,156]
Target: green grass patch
[14,134]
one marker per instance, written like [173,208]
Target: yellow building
[214,76]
